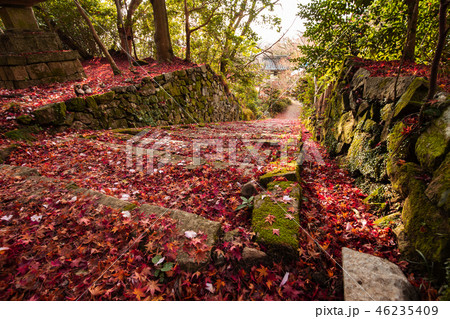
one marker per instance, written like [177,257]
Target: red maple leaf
[270,219]
[153,286]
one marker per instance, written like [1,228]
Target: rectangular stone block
[3,74]
[25,84]
[38,71]
[57,68]
[72,67]
[12,60]
[16,73]
[52,57]
[21,18]
[7,85]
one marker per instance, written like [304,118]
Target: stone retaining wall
[193,95]
[29,58]
[373,133]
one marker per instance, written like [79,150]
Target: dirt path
[292,112]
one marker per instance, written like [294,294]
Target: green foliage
[246,203]
[228,43]
[274,102]
[247,114]
[304,92]
[446,288]
[63,15]
[161,266]
[368,29]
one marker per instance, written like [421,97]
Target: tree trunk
[439,48]
[126,39]
[410,45]
[124,32]
[99,42]
[164,49]
[51,24]
[188,32]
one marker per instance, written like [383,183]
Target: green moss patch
[433,144]
[76,104]
[370,162]
[411,100]
[290,173]
[288,229]
[23,134]
[388,221]
[276,222]
[52,114]
[427,229]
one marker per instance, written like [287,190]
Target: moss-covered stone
[438,191]
[22,134]
[77,104]
[427,229]
[287,241]
[383,88]
[388,221]
[288,173]
[370,162]
[115,113]
[369,126]
[52,114]
[434,143]
[386,112]
[405,178]
[104,98]
[281,185]
[24,119]
[398,149]
[412,99]
[344,131]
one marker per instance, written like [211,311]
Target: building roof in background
[276,63]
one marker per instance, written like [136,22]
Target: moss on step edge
[376,199]
[129,131]
[288,238]
[291,173]
[387,220]
[23,134]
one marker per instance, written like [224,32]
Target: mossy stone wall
[369,130]
[195,95]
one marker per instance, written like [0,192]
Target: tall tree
[63,17]
[99,42]
[163,43]
[125,24]
[443,31]
[413,15]
[187,14]
[238,18]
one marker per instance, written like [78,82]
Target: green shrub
[247,114]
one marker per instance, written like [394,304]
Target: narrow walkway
[332,213]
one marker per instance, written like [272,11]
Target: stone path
[202,197]
[247,147]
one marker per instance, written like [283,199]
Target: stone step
[275,218]
[371,278]
[185,221]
